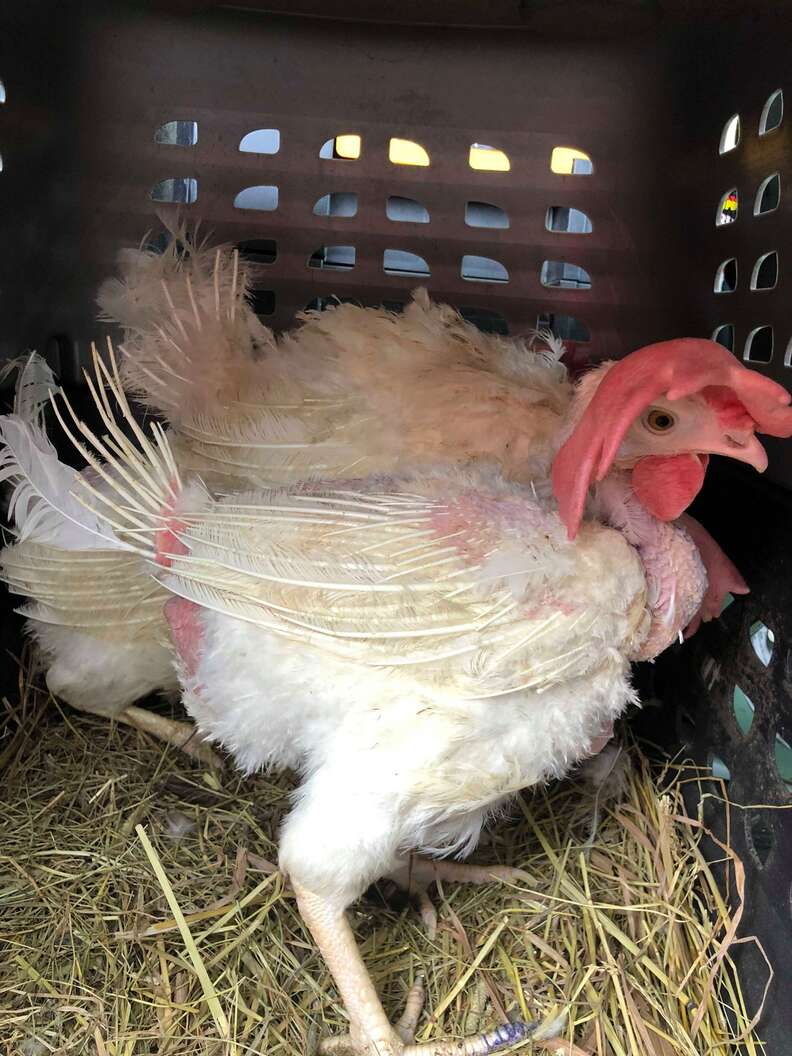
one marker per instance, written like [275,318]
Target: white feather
[34,385]
[42,505]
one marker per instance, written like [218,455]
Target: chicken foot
[417,875]
[371,1033]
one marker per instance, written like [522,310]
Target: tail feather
[190,337]
[138,479]
[42,506]
[34,384]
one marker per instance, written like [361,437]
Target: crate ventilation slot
[772,113]
[263,197]
[566,220]
[483,269]
[346,147]
[560,275]
[485,320]
[320,304]
[157,243]
[334,257]
[2,93]
[400,262]
[337,204]
[759,345]
[724,335]
[261,141]
[565,327]
[726,276]
[407,152]
[569,161]
[743,709]
[1,162]
[177,133]
[783,760]
[482,214]
[727,601]
[259,250]
[759,836]
[710,672]
[177,189]
[262,302]
[730,136]
[765,272]
[406,210]
[488,159]
[718,768]
[728,208]
[788,354]
[762,642]
[768,196]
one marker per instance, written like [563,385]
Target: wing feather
[109,592]
[379,597]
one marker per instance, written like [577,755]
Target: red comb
[671,368]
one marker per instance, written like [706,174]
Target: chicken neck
[676,580]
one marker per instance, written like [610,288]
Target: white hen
[418,647]
[349,392]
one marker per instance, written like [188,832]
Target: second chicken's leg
[370,1033]
[418,874]
[182,735]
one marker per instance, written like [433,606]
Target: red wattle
[666,485]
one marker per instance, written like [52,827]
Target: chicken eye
[660,421]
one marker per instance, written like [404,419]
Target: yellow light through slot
[488,158]
[348,146]
[406,152]
[563,160]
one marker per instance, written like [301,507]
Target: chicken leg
[370,1033]
[182,735]
[103,676]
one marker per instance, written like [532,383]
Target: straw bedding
[140,912]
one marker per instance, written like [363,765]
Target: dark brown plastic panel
[81,159]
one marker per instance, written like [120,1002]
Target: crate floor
[618,936]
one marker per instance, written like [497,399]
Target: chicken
[349,392]
[421,645]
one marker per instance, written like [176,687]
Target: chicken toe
[413,1006]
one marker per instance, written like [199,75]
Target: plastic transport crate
[617,171]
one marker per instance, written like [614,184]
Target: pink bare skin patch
[666,485]
[167,543]
[475,524]
[186,630]
[465,521]
[183,616]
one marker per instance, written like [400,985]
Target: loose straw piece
[210,994]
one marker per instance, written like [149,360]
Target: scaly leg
[370,1033]
[181,735]
[418,874]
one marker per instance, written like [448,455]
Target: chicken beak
[744,446]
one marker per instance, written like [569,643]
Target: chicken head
[660,413]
